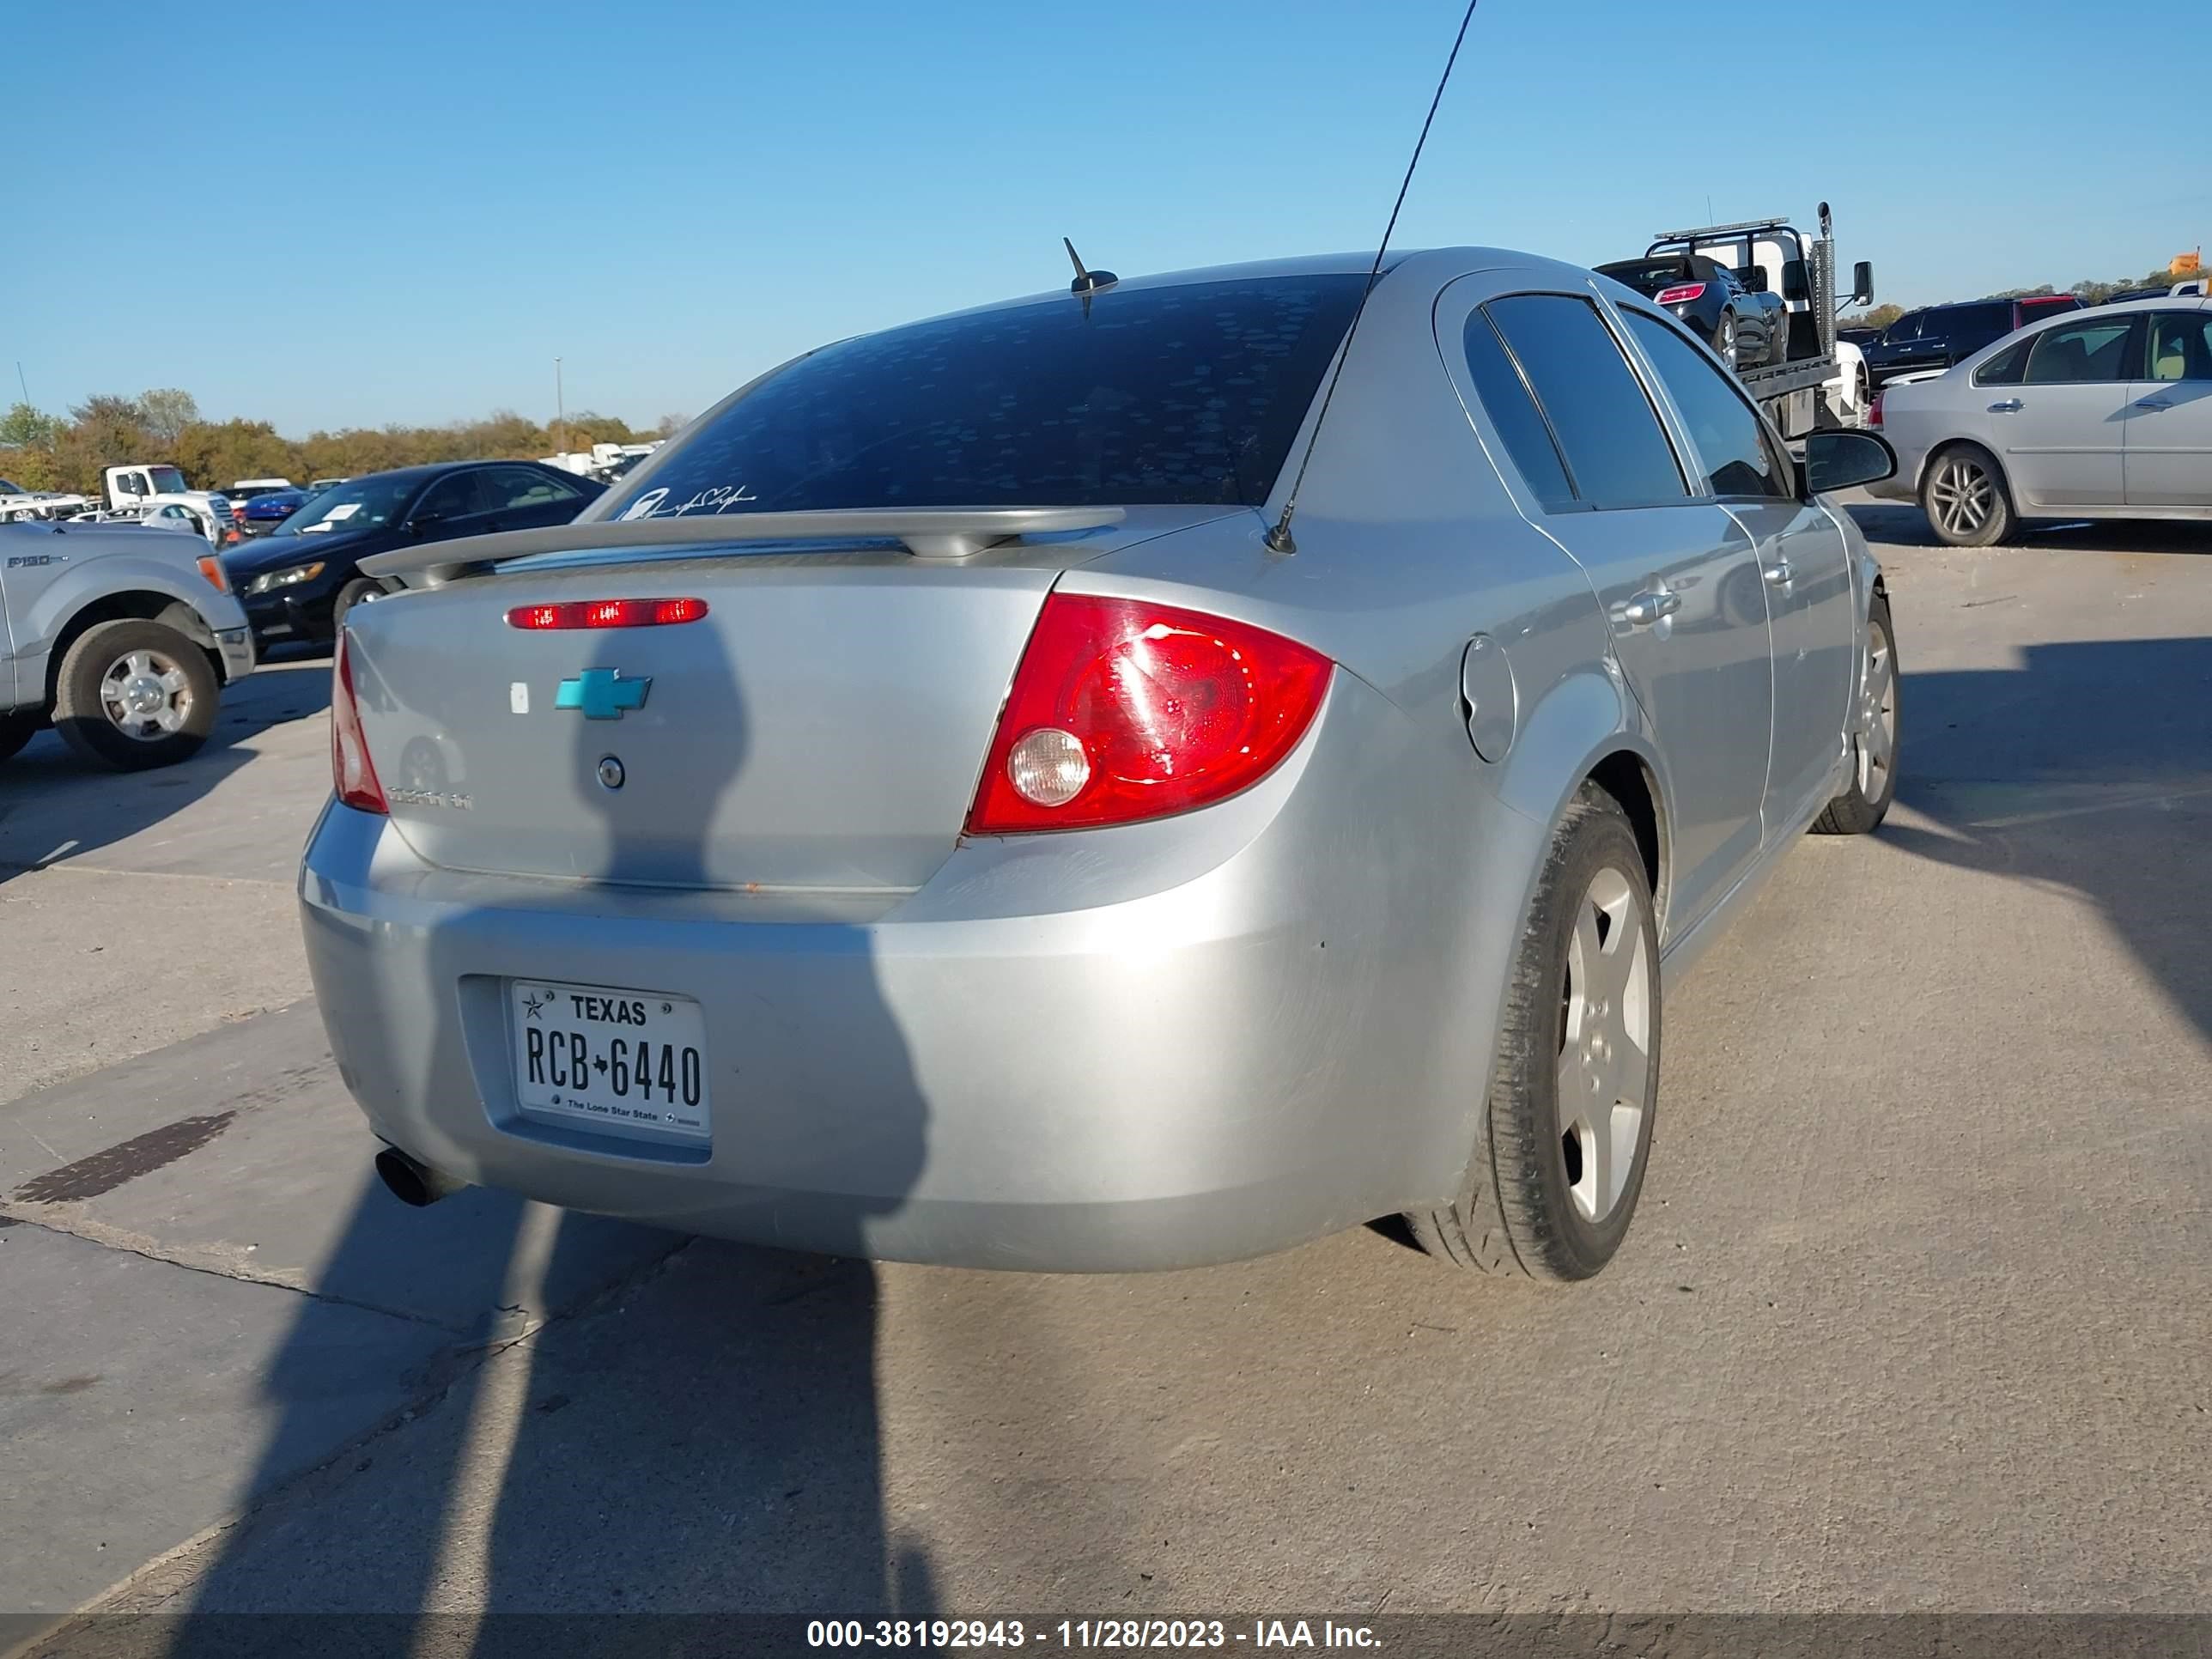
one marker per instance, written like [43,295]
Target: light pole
[560,413]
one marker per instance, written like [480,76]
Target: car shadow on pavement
[1900,524]
[2070,771]
[625,1422]
[55,805]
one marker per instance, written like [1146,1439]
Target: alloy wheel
[1605,1044]
[1963,496]
[146,695]
[1876,742]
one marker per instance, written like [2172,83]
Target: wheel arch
[1936,450]
[1588,729]
[141,604]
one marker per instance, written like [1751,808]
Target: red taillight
[1681,295]
[1874,411]
[1122,710]
[607,613]
[352,774]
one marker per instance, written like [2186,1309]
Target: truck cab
[140,486]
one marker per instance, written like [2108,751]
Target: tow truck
[1823,380]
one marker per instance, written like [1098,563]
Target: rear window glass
[1189,394]
[1607,430]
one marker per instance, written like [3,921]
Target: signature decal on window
[653,504]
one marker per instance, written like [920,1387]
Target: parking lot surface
[1911,1319]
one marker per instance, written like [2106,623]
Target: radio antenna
[1278,534]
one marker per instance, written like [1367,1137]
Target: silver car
[937,810]
[2099,414]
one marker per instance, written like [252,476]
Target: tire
[105,703]
[1963,494]
[1536,1200]
[1724,346]
[352,594]
[16,729]
[1865,800]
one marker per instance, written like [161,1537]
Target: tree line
[41,450]
[2088,292]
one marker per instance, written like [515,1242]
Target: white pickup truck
[119,637]
[139,486]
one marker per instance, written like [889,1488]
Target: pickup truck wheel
[1865,799]
[16,729]
[1964,497]
[134,694]
[1567,1130]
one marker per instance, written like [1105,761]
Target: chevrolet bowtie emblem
[602,694]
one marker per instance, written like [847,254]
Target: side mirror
[423,523]
[1794,285]
[1840,460]
[1862,283]
[1753,277]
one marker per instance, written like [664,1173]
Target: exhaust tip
[413,1183]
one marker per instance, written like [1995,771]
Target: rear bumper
[1011,1067]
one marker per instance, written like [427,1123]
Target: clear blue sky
[328,216]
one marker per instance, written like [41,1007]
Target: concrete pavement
[1911,1319]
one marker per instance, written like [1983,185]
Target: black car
[297,582]
[1746,329]
[1861,337]
[1940,336]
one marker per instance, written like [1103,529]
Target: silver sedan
[2098,414]
[946,807]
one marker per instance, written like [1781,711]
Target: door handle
[1779,573]
[2159,401]
[1648,607]
[2009,406]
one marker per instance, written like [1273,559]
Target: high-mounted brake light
[353,776]
[1681,293]
[607,613]
[1122,710]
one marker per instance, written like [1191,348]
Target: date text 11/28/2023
[1086,1633]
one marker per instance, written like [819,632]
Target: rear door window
[1609,434]
[1187,394]
[2078,354]
[1969,328]
[2007,368]
[1512,410]
[2181,346]
[1725,429]
[508,488]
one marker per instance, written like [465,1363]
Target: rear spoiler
[936,532]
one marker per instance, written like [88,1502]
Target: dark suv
[1940,336]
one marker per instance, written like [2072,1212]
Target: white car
[2098,414]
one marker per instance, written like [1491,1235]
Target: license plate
[629,1062]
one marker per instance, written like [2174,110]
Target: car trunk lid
[820,727]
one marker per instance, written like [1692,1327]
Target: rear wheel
[134,694]
[1964,498]
[1865,799]
[1724,345]
[1565,1133]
